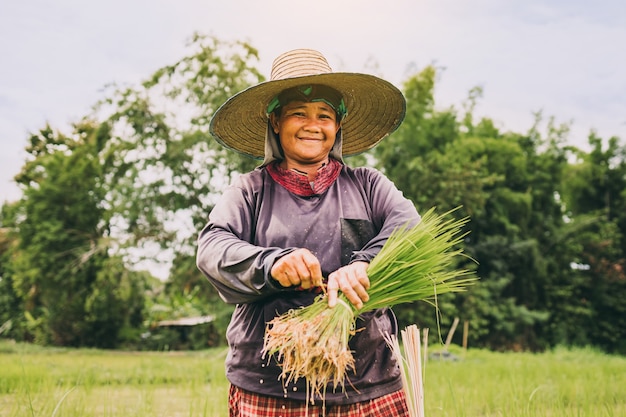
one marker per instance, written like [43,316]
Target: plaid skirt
[242,403]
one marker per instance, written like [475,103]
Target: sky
[565,58]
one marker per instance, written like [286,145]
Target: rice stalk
[415,264]
[409,357]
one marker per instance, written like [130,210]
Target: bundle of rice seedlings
[415,264]
[312,343]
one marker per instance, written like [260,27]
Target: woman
[302,220]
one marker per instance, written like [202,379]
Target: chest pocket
[355,233]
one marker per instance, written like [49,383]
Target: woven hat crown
[299,63]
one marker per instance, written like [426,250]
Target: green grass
[562,382]
[71,383]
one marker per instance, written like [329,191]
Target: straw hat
[375,107]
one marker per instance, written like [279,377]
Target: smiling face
[307,132]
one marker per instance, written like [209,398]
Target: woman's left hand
[352,280]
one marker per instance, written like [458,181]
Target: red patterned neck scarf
[298,182]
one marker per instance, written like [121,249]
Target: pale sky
[566,58]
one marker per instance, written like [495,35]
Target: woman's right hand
[299,268]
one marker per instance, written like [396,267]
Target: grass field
[71,383]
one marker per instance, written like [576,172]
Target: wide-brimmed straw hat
[375,107]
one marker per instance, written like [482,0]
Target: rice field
[79,382]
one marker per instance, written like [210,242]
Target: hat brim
[375,109]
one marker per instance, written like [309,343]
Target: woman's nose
[311,124]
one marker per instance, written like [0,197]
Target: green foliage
[69,289]
[115,308]
[430,159]
[10,303]
[140,175]
[165,169]
[518,190]
[596,196]
[186,294]
[184,277]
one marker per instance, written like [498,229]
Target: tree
[595,198]
[10,303]
[164,168]
[62,240]
[131,175]
[428,160]
[506,184]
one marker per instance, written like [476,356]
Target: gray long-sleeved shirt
[256,222]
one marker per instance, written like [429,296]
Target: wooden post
[465,333]
[451,332]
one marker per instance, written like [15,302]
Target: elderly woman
[303,220]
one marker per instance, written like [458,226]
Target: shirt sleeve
[238,269]
[390,210]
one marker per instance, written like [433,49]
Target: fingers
[298,268]
[301,268]
[332,289]
[352,281]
